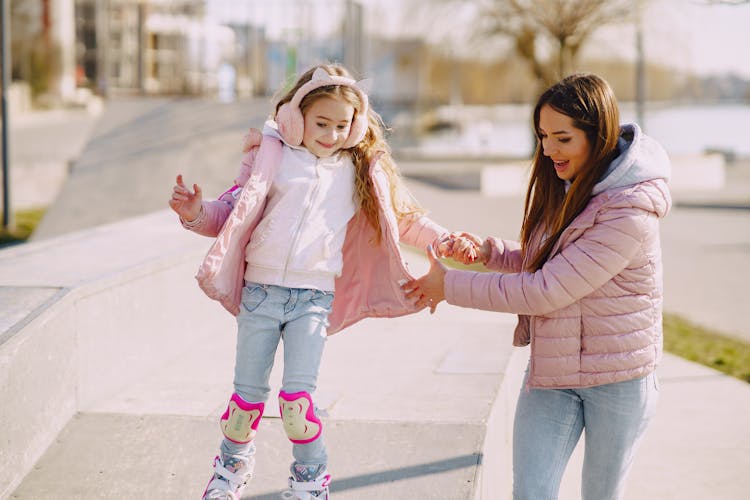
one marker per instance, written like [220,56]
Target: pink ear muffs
[292,124]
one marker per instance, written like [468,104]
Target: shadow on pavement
[389,476]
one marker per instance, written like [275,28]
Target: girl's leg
[547,426]
[258,334]
[257,338]
[616,417]
[304,338]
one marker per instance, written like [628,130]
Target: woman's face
[327,124]
[567,146]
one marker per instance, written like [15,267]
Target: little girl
[319,207]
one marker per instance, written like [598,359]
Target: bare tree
[562,26]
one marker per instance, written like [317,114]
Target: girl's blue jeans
[549,422]
[297,316]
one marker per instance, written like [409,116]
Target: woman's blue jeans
[549,422]
[297,316]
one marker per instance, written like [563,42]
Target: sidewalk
[42,146]
[410,425]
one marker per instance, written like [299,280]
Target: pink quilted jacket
[369,283]
[593,311]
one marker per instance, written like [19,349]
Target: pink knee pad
[240,422]
[298,414]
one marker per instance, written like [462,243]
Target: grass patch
[25,223]
[707,347]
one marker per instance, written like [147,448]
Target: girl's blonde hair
[372,146]
[589,101]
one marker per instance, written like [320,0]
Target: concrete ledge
[697,172]
[496,474]
[107,325]
[84,315]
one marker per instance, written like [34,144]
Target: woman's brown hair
[589,101]
[372,146]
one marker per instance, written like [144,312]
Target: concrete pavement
[414,425]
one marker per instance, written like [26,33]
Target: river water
[680,129]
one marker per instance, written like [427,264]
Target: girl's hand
[429,289]
[445,245]
[458,246]
[468,248]
[464,250]
[186,203]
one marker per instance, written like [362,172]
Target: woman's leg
[616,417]
[547,426]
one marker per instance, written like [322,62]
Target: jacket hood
[271,128]
[641,159]
[642,165]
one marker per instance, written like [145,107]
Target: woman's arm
[584,265]
[600,253]
[504,255]
[495,254]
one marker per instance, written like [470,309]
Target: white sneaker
[308,482]
[229,478]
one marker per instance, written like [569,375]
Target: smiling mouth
[561,165]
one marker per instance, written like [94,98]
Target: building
[150,46]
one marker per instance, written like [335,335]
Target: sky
[693,36]
[685,34]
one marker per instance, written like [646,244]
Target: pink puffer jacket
[593,311]
[369,283]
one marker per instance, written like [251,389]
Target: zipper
[531,355]
[305,213]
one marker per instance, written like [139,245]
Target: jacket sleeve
[505,256]
[414,230]
[601,252]
[214,213]
[420,231]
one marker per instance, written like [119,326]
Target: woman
[586,282]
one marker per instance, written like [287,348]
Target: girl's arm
[420,231]
[583,266]
[213,214]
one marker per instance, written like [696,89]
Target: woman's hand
[186,203]
[429,289]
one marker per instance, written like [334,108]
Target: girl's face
[327,124]
[567,146]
